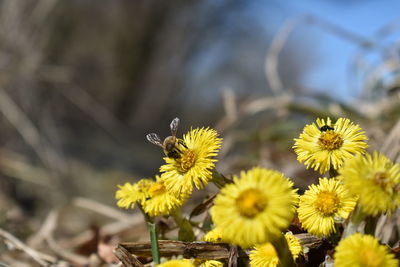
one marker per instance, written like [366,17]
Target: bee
[326,128]
[170,142]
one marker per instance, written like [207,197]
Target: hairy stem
[219,180]
[155,251]
[284,254]
[355,222]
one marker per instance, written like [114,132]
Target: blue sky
[334,55]
[233,53]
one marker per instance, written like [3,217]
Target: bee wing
[154,139]
[174,126]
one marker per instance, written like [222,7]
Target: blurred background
[83,81]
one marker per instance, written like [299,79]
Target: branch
[203,250]
[39,257]
[198,250]
[127,259]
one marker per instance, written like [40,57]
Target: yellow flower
[363,251]
[195,163]
[327,145]
[161,201]
[375,180]
[324,204]
[211,263]
[255,208]
[177,263]
[128,194]
[214,236]
[265,255]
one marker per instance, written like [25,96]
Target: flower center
[330,140]
[251,202]
[187,160]
[381,180]
[157,189]
[143,186]
[327,202]
[268,250]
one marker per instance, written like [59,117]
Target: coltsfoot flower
[265,255]
[255,208]
[363,251]
[211,263]
[327,145]
[177,263]
[195,162]
[128,194]
[214,236]
[161,201]
[324,204]
[375,180]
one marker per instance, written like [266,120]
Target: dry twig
[233,256]
[39,257]
[391,146]
[59,250]
[14,165]
[29,132]
[127,258]
[101,209]
[169,248]
[203,250]
[47,227]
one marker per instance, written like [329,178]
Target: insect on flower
[326,128]
[326,145]
[169,145]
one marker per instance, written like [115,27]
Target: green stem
[185,227]
[178,217]
[155,251]
[145,215]
[355,221]
[335,238]
[284,254]
[219,180]
[370,224]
